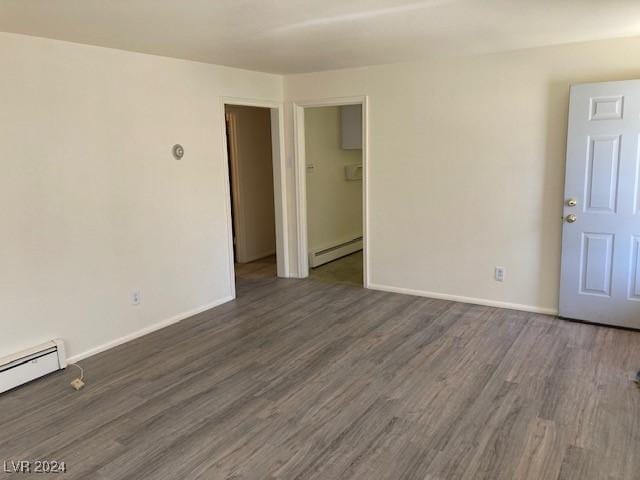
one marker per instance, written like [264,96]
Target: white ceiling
[289,36]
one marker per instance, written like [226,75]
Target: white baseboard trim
[457,298]
[147,330]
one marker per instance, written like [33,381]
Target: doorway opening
[253,156]
[332,152]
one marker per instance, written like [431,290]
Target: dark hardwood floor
[308,380]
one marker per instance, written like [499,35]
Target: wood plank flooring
[299,379]
[262,268]
[347,270]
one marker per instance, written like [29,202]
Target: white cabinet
[351,127]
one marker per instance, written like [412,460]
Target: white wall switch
[500,273]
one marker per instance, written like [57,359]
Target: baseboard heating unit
[27,365]
[326,255]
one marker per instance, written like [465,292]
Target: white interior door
[600,279]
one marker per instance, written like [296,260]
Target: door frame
[301,177]
[279,182]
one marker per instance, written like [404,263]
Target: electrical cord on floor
[78,383]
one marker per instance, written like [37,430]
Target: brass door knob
[571,218]
[572,202]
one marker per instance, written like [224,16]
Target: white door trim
[279,183]
[301,177]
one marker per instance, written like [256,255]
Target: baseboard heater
[27,365]
[319,257]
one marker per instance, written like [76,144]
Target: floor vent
[27,365]
[319,257]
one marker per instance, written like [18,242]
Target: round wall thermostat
[178,151]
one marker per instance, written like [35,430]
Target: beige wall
[94,205]
[252,182]
[334,205]
[466,172]
[467,166]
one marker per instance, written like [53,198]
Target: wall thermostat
[178,151]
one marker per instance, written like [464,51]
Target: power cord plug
[78,383]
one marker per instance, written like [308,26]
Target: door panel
[634,277]
[600,279]
[606,108]
[597,253]
[602,174]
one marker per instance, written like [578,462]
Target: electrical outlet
[500,273]
[135,297]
